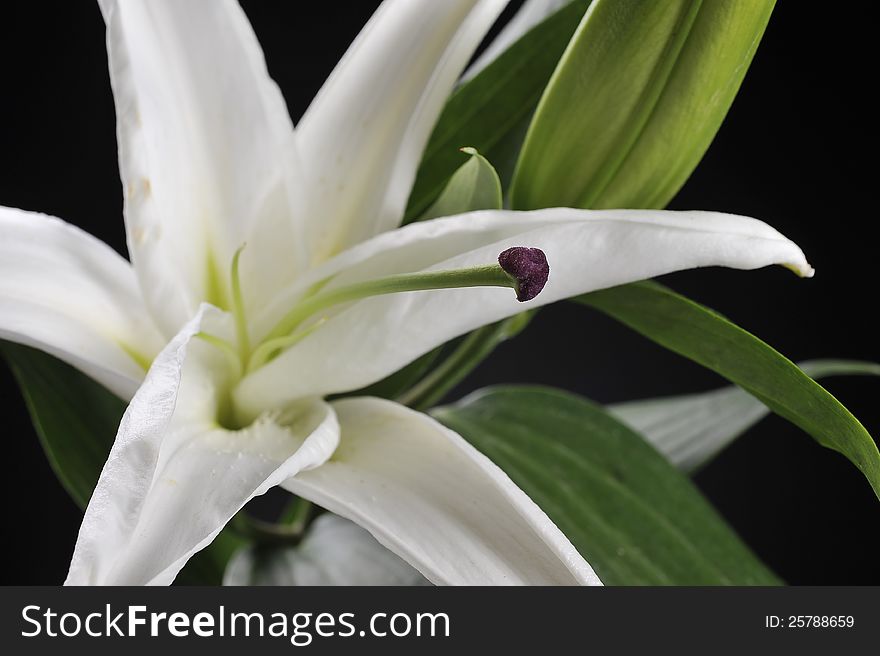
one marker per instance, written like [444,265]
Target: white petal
[335,552]
[203,134]
[529,15]
[586,251]
[363,136]
[174,477]
[71,295]
[691,429]
[437,502]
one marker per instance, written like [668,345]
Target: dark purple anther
[528,267]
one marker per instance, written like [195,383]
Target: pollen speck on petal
[529,267]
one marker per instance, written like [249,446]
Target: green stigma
[526,275]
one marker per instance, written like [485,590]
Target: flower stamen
[270,348]
[238,311]
[232,356]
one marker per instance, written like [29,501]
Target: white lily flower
[227,354]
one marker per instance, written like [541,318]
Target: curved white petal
[203,133]
[692,429]
[71,295]
[363,136]
[587,250]
[174,477]
[437,502]
[335,552]
[529,15]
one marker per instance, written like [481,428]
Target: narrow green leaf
[75,418]
[698,333]
[634,517]
[691,429]
[76,421]
[492,111]
[474,186]
[635,102]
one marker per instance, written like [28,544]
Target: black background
[790,152]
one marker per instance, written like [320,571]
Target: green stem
[297,514]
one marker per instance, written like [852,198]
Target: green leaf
[634,517]
[691,429]
[491,112]
[76,421]
[208,565]
[635,102]
[698,333]
[75,418]
[474,186]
